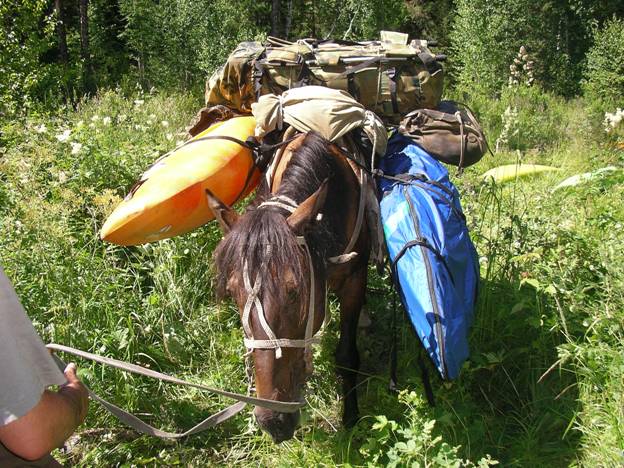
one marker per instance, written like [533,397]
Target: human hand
[75,392]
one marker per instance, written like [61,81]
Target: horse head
[266,270]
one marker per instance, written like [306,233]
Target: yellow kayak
[170,199]
[509,172]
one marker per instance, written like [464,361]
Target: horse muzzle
[280,426]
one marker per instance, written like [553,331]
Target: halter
[253,300]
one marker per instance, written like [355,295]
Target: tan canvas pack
[450,133]
[389,77]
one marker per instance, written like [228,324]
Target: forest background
[92,91]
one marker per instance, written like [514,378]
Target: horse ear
[226,216]
[308,210]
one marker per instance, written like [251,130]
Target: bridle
[253,300]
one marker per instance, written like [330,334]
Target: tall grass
[544,383]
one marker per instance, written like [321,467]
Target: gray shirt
[26,367]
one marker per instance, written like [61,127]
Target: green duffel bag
[388,77]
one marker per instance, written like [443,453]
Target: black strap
[258,73]
[351,86]
[429,61]
[421,180]
[421,241]
[424,376]
[393,385]
[392,85]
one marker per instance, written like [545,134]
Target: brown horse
[275,262]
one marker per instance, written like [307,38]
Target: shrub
[604,76]
[412,443]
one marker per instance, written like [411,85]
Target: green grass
[543,386]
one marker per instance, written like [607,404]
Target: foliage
[487,35]
[412,444]
[604,82]
[27,34]
[542,387]
[178,43]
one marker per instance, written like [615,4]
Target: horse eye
[293,295]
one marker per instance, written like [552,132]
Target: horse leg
[351,298]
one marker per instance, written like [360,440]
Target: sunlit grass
[551,301]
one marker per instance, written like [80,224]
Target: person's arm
[50,423]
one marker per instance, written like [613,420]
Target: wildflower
[62,177]
[80,124]
[41,128]
[139,102]
[612,120]
[169,136]
[122,118]
[63,137]
[95,118]
[106,120]
[75,147]
[164,123]
[152,116]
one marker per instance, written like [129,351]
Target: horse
[277,260]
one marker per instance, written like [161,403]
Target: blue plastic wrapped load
[435,263]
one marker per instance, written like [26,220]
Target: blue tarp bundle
[434,261]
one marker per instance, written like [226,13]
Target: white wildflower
[139,102]
[164,123]
[75,147]
[62,177]
[95,118]
[169,136]
[41,128]
[106,120]
[63,137]
[80,124]
[152,116]
[92,125]
[612,120]
[122,118]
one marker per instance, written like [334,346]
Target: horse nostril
[280,426]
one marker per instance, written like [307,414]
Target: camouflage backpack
[389,77]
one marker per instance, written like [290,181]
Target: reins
[145,428]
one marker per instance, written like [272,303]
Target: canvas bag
[330,112]
[388,77]
[450,133]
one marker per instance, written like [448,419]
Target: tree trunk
[288,19]
[275,18]
[87,68]
[61,32]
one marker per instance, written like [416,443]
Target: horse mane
[259,230]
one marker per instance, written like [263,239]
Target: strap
[144,428]
[392,85]
[356,68]
[423,243]
[462,143]
[424,376]
[257,74]
[393,385]
[360,216]
[280,406]
[429,61]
